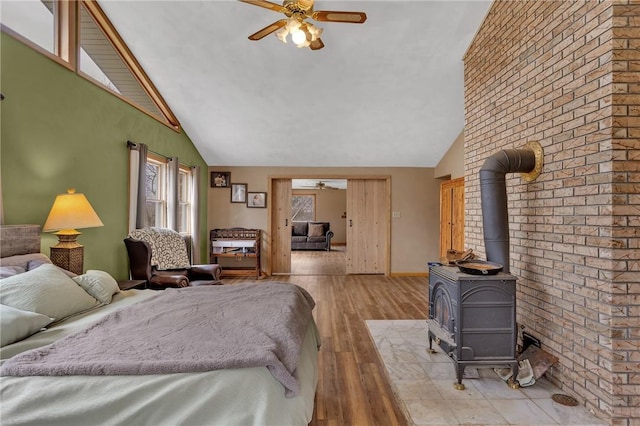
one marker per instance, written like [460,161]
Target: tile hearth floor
[423,384]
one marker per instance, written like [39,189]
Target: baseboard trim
[409,274]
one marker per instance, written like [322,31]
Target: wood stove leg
[512,382]
[431,350]
[459,373]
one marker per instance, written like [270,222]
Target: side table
[129,284]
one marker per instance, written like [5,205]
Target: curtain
[137,188]
[173,172]
[195,217]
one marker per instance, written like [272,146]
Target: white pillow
[98,284]
[47,291]
[16,324]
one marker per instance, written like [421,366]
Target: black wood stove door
[442,308]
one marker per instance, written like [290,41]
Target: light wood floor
[353,388]
[319,262]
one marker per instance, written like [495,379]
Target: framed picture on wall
[257,200]
[238,192]
[220,179]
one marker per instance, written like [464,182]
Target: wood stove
[473,319]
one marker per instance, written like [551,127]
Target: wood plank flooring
[353,388]
[319,262]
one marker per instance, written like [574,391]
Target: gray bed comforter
[192,329]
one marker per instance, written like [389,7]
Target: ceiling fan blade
[266,5]
[268,30]
[333,16]
[316,44]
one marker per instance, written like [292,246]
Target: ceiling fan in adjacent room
[303,33]
[321,185]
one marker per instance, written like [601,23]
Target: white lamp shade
[71,211]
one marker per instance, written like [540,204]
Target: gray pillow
[23,260]
[299,229]
[9,271]
[316,230]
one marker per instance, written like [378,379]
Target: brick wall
[567,74]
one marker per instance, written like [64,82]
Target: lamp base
[68,254]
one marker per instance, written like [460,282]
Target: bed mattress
[247,396]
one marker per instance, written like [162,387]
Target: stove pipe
[493,197]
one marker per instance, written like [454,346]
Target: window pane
[32,19]
[183,188]
[183,218]
[303,207]
[153,184]
[156,193]
[155,215]
[100,61]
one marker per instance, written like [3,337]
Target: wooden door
[281,226]
[451,216]
[367,226]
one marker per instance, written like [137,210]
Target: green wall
[61,131]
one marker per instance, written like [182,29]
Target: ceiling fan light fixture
[302,33]
[315,32]
[282,34]
[299,36]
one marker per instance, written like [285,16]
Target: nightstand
[129,284]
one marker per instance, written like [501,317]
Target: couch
[311,235]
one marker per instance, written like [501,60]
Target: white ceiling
[388,92]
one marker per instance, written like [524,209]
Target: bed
[230,396]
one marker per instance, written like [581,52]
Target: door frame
[270,207]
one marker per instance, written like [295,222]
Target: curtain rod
[134,145]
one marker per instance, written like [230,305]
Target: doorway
[369,201]
[322,200]
[451,216]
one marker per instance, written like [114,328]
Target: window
[156,185]
[32,19]
[97,53]
[303,207]
[157,195]
[100,61]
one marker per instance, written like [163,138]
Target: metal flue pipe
[493,197]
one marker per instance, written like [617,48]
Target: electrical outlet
[395,214]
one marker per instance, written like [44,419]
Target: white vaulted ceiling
[388,92]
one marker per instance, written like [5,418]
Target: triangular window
[103,63]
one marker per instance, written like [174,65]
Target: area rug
[423,385]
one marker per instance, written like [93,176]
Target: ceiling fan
[303,33]
[320,185]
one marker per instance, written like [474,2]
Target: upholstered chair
[142,268]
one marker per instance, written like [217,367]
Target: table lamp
[70,211]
